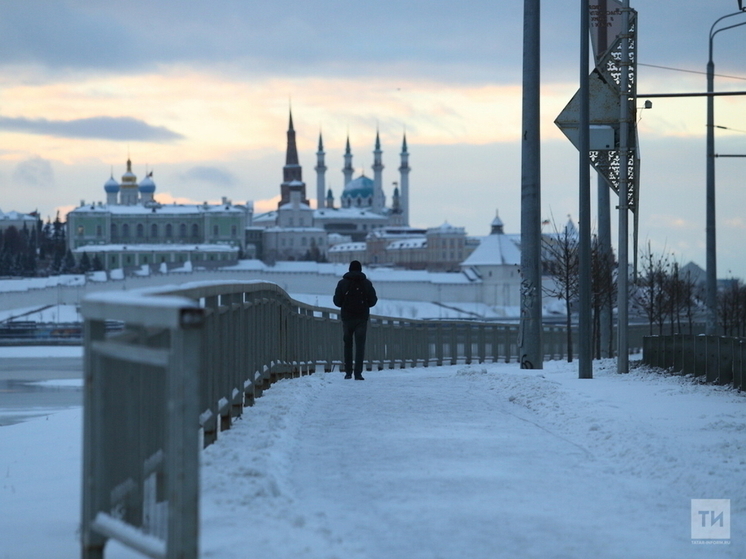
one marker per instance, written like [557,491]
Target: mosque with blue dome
[295,226]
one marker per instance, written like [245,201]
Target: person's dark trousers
[354,328]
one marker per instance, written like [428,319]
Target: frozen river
[35,381]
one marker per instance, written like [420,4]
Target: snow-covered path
[476,461]
[480,461]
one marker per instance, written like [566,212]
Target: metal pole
[623,276]
[604,215]
[710,227]
[604,242]
[530,343]
[711,266]
[585,364]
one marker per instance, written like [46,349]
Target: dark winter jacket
[344,285]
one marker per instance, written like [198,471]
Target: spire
[404,170]
[379,200]
[320,174]
[347,170]
[292,171]
[291,157]
[496,227]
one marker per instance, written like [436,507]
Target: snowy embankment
[480,461]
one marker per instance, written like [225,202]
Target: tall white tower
[320,174]
[379,200]
[348,170]
[404,181]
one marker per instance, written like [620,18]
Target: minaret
[379,200]
[292,171]
[320,174]
[404,181]
[348,170]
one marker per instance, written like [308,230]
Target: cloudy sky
[198,92]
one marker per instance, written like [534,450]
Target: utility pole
[530,331]
[623,275]
[585,363]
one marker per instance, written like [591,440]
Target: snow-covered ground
[478,461]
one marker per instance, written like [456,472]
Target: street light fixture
[711,297]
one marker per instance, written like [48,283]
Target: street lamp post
[710,177]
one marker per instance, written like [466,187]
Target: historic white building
[132,229]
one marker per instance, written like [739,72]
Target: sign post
[611,134]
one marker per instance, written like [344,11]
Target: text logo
[711,521]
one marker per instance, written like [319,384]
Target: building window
[154,230]
[215,230]
[234,231]
[114,231]
[169,230]
[195,230]
[140,230]
[99,231]
[182,230]
[113,260]
[303,241]
[126,230]
[81,231]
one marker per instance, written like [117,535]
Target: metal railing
[721,360]
[188,361]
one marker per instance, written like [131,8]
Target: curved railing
[187,362]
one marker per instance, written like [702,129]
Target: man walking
[355,295]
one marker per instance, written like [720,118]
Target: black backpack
[355,300]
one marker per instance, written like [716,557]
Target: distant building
[17,220]
[291,232]
[440,249]
[132,228]
[362,227]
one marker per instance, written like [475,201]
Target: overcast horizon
[200,95]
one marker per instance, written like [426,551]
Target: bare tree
[560,259]
[651,294]
[732,308]
[603,288]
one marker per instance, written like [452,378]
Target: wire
[731,129]
[690,71]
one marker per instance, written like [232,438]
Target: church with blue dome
[132,229]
